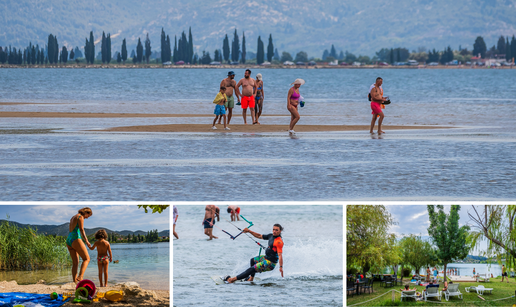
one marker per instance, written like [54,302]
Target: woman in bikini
[75,245]
[292,103]
[259,98]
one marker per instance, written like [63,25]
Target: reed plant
[24,249]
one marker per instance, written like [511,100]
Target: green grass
[500,290]
[24,249]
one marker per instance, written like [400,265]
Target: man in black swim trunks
[209,221]
[273,255]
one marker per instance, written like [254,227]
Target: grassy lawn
[500,290]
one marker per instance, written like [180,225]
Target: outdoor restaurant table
[359,284]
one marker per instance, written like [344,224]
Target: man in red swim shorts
[377,100]
[234,211]
[248,94]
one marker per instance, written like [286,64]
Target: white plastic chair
[453,290]
[432,292]
[408,294]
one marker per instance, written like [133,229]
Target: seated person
[408,289]
[446,285]
[432,284]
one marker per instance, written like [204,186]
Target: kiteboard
[219,280]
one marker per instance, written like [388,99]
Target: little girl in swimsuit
[103,259]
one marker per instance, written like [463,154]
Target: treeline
[151,237]
[236,52]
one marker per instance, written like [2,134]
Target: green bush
[24,249]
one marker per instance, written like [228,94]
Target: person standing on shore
[504,273]
[248,94]
[234,211]
[259,97]
[292,104]
[104,255]
[75,245]
[176,215]
[209,221]
[220,110]
[230,84]
[377,100]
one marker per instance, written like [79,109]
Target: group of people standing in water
[252,95]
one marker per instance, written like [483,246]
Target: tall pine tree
[124,51]
[260,53]
[148,50]
[270,49]
[176,55]
[103,48]
[108,49]
[235,48]
[225,48]
[508,54]
[190,46]
[243,48]
[501,45]
[139,51]
[163,48]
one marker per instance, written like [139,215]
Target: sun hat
[298,81]
[259,77]
[231,73]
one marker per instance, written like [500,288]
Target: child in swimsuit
[103,259]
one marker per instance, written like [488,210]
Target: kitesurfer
[267,262]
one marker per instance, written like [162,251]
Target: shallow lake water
[56,159]
[312,258]
[145,263]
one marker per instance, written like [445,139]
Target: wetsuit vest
[271,253]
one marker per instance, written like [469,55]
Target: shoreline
[243,66]
[256,128]
[133,293]
[103,115]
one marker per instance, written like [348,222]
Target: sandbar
[257,128]
[133,295]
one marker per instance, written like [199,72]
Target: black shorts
[504,274]
[207,223]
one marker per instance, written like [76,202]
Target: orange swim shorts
[247,101]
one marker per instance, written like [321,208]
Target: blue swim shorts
[220,110]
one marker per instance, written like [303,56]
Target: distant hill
[361,27]
[62,230]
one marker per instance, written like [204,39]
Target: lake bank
[132,295]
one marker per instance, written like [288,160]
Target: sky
[114,217]
[413,219]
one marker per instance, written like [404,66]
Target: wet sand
[133,295]
[103,115]
[258,128]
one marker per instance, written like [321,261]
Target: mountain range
[62,230]
[360,27]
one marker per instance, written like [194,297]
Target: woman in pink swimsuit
[292,103]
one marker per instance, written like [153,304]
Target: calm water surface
[145,263]
[312,258]
[56,159]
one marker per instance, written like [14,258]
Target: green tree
[285,56]
[417,253]
[64,55]
[108,49]
[163,48]
[446,235]
[500,46]
[242,59]
[190,46]
[118,58]
[235,48]
[270,49]
[368,243]
[50,48]
[301,56]
[496,223]
[155,208]
[72,55]
[508,54]
[276,55]
[216,55]
[260,52]
[124,51]
[513,48]
[103,48]
[479,47]
[225,48]
[176,55]
[391,56]
[139,51]
[333,52]
[148,50]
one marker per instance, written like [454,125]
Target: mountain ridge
[62,230]
[312,26]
